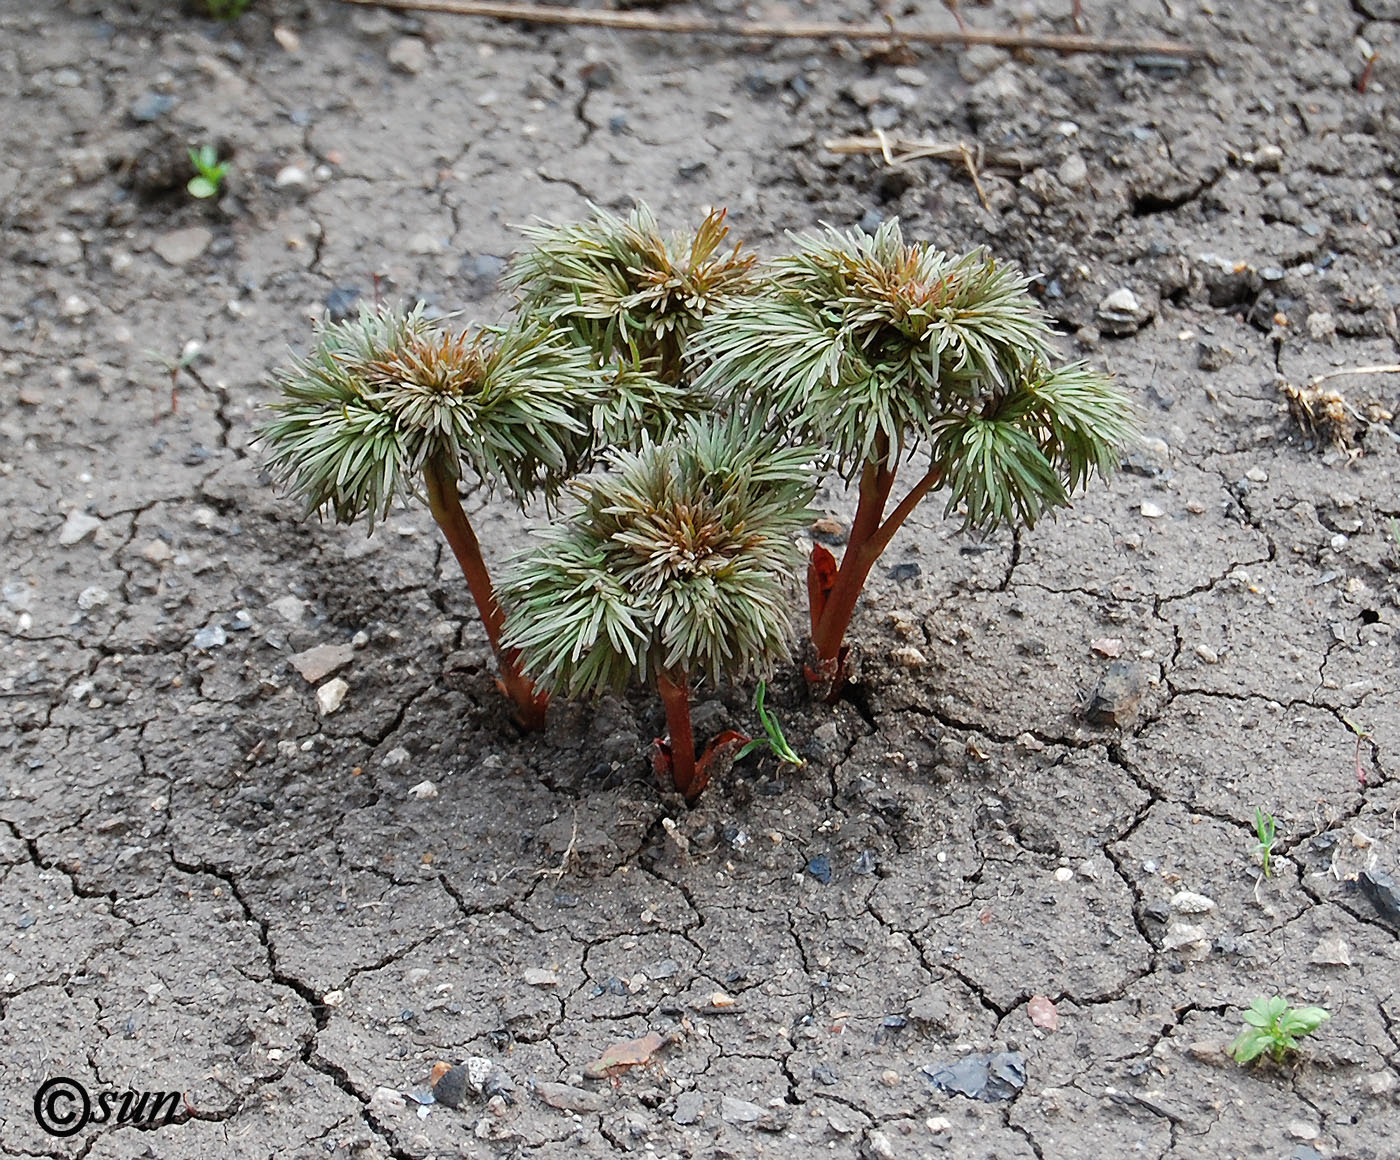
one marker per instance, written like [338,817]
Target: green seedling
[1265,829]
[773,739]
[225,9]
[391,406]
[876,350]
[674,571]
[209,172]
[1275,1027]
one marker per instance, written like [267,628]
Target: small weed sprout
[226,9]
[209,172]
[391,405]
[772,739]
[875,349]
[1265,829]
[633,297]
[1273,1026]
[674,571]
[189,354]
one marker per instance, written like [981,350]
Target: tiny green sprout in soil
[878,350]
[1273,1027]
[209,172]
[674,571]
[225,9]
[773,739]
[1265,829]
[391,406]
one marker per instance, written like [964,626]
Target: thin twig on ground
[897,151]
[790,30]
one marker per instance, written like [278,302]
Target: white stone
[539,977]
[318,663]
[1332,952]
[331,695]
[289,608]
[74,306]
[93,597]
[1257,475]
[181,246]
[1185,902]
[290,176]
[1207,654]
[77,527]
[1064,874]
[1151,511]
[424,789]
[408,54]
[396,756]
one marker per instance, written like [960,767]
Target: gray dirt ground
[208,887]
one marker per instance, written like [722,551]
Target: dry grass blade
[898,151]
[792,30]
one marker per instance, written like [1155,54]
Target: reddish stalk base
[531,705]
[832,592]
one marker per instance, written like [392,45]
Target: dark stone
[1380,890]
[820,868]
[902,572]
[151,106]
[996,1076]
[342,303]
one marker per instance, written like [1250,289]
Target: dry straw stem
[791,30]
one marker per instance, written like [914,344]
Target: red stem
[531,704]
[675,695]
[869,538]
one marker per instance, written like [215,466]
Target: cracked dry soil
[211,888]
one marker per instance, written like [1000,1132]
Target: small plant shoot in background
[209,172]
[1265,829]
[675,571]
[877,350]
[1274,1027]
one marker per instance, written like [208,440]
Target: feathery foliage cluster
[633,297]
[874,348]
[679,561]
[384,396]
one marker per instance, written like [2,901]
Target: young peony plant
[633,297]
[876,350]
[391,405]
[675,570]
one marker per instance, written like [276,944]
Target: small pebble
[180,247]
[77,527]
[1064,874]
[908,657]
[318,663]
[1151,511]
[211,636]
[1332,952]
[1339,541]
[288,39]
[539,977]
[331,695]
[291,176]
[424,789]
[1257,475]
[1185,902]
[1207,654]
[409,55]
